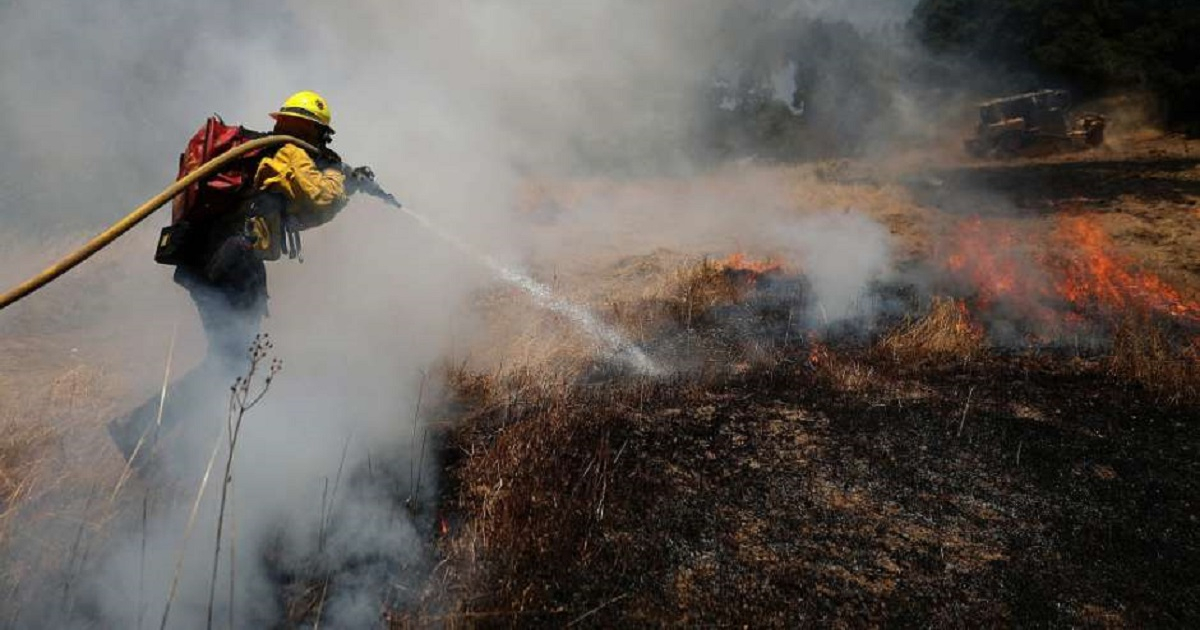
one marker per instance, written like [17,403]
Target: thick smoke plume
[455,105]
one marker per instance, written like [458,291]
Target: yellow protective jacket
[316,189]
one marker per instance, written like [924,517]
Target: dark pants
[230,293]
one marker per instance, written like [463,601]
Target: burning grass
[1070,280]
[1096,274]
[797,477]
[938,471]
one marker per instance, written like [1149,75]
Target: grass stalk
[414,475]
[321,604]
[73,567]
[162,403]
[321,525]
[232,559]
[187,530]
[966,408]
[327,509]
[141,597]
[240,402]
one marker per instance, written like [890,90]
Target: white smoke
[843,255]
[453,104]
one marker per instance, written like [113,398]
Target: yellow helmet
[306,105]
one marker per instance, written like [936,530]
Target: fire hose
[103,239]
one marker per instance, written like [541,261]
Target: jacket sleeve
[316,195]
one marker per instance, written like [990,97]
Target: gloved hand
[358,178]
[362,173]
[361,179]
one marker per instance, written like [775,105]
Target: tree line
[1094,47]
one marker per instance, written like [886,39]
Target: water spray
[616,343]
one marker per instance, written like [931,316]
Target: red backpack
[220,192]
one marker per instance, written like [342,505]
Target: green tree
[1093,45]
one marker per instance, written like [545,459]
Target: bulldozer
[1034,124]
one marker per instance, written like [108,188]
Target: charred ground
[928,472]
[1026,490]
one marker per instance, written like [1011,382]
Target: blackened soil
[1031,491]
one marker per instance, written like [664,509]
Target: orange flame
[818,353]
[989,257]
[965,324]
[1001,267]
[742,262]
[1095,275]
[982,257]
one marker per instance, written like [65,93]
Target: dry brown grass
[694,291]
[55,462]
[540,470]
[541,491]
[1144,353]
[22,449]
[945,334]
[552,495]
[688,295]
[647,299]
[841,372]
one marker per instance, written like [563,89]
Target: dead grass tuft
[1144,353]
[691,296]
[543,476]
[841,372]
[684,296]
[946,332]
[699,289]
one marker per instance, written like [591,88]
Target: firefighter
[292,190]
